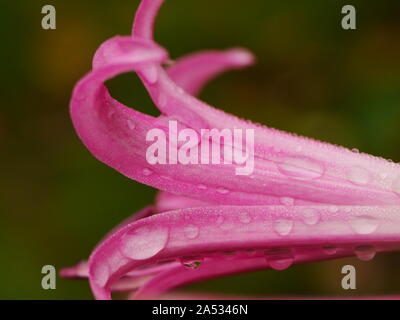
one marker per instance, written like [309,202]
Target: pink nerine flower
[304,200]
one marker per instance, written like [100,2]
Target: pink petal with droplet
[275,236]
[285,165]
[288,169]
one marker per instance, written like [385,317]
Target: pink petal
[255,237]
[194,71]
[285,165]
[291,171]
[167,201]
[78,271]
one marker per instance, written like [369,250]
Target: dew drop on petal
[244,217]
[365,252]
[280,263]
[147,172]
[311,216]
[279,258]
[358,175]
[144,242]
[283,226]
[287,201]
[191,262]
[330,249]
[191,231]
[300,168]
[364,224]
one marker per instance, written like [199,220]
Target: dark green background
[312,78]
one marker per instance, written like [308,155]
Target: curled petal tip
[125,50]
[241,57]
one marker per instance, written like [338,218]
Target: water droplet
[333,209]
[355,150]
[365,252]
[131,124]
[244,217]
[330,249]
[396,185]
[191,231]
[150,73]
[147,172]
[283,226]
[144,242]
[191,262]
[287,201]
[202,187]
[301,168]
[281,263]
[279,258]
[311,216]
[222,191]
[364,224]
[358,175]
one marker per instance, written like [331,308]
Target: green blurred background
[312,78]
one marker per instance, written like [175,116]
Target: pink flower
[304,201]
